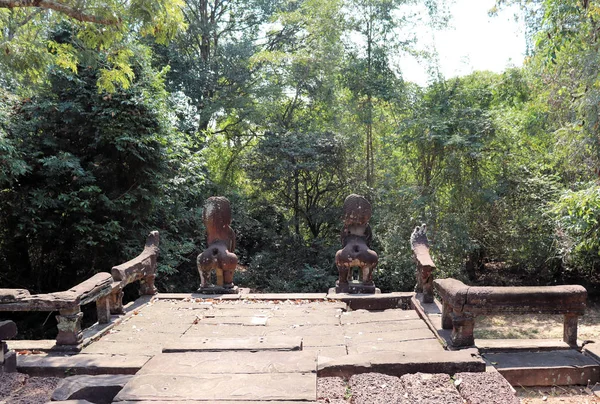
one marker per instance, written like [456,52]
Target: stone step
[253,344]
[81,364]
[221,387]
[195,363]
[383,301]
[545,368]
[423,345]
[518,345]
[398,363]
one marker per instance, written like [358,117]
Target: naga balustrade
[462,303]
[425,266]
[105,289]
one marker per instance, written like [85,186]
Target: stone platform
[253,348]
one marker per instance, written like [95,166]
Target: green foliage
[285,108]
[107,27]
[94,164]
[305,172]
[577,215]
[293,267]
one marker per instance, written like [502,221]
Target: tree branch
[58,7]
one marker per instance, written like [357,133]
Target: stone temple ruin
[405,347]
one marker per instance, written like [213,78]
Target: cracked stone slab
[429,345]
[91,364]
[388,337]
[364,316]
[234,344]
[195,363]
[225,330]
[399,363]
[234,387]
[124,348]
[386,326]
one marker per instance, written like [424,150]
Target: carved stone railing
[8,359]
[104,288]
[142,268]
[461,303]
[67,303]
[425,266]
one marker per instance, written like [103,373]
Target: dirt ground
[538,326]
[558,395]
[18,388]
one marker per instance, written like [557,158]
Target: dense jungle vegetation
[117,118]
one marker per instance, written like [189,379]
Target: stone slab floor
[250,350]
[323,327]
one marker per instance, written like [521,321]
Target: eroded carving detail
[356,252]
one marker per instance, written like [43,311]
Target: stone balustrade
[462,303]
[425,266]
[142,268]
[105,289]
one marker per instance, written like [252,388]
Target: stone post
[147,285]
[570,329]
[446,316]
[462,329]
[427,283]
[103,309]
[8,359]
[116,300]
[69,327]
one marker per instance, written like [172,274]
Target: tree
[110,27]
[210,60]
[305,174]
[92,178]
[370,73]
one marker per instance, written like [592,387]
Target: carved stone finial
[219,255]
[356,240]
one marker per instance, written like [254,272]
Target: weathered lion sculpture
[220,239]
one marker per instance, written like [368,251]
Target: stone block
[8,330]
[221,387]
[100,389]
[554,368]
[89,364]
[234,344]
[9,365]
[400,363]
[196,363]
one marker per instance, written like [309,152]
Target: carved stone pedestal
[70,336]
[462,331]
[355,287]
[218,290]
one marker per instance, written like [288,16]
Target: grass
[537,326]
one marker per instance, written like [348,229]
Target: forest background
[117,118]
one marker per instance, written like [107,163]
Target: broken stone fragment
[94,389]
